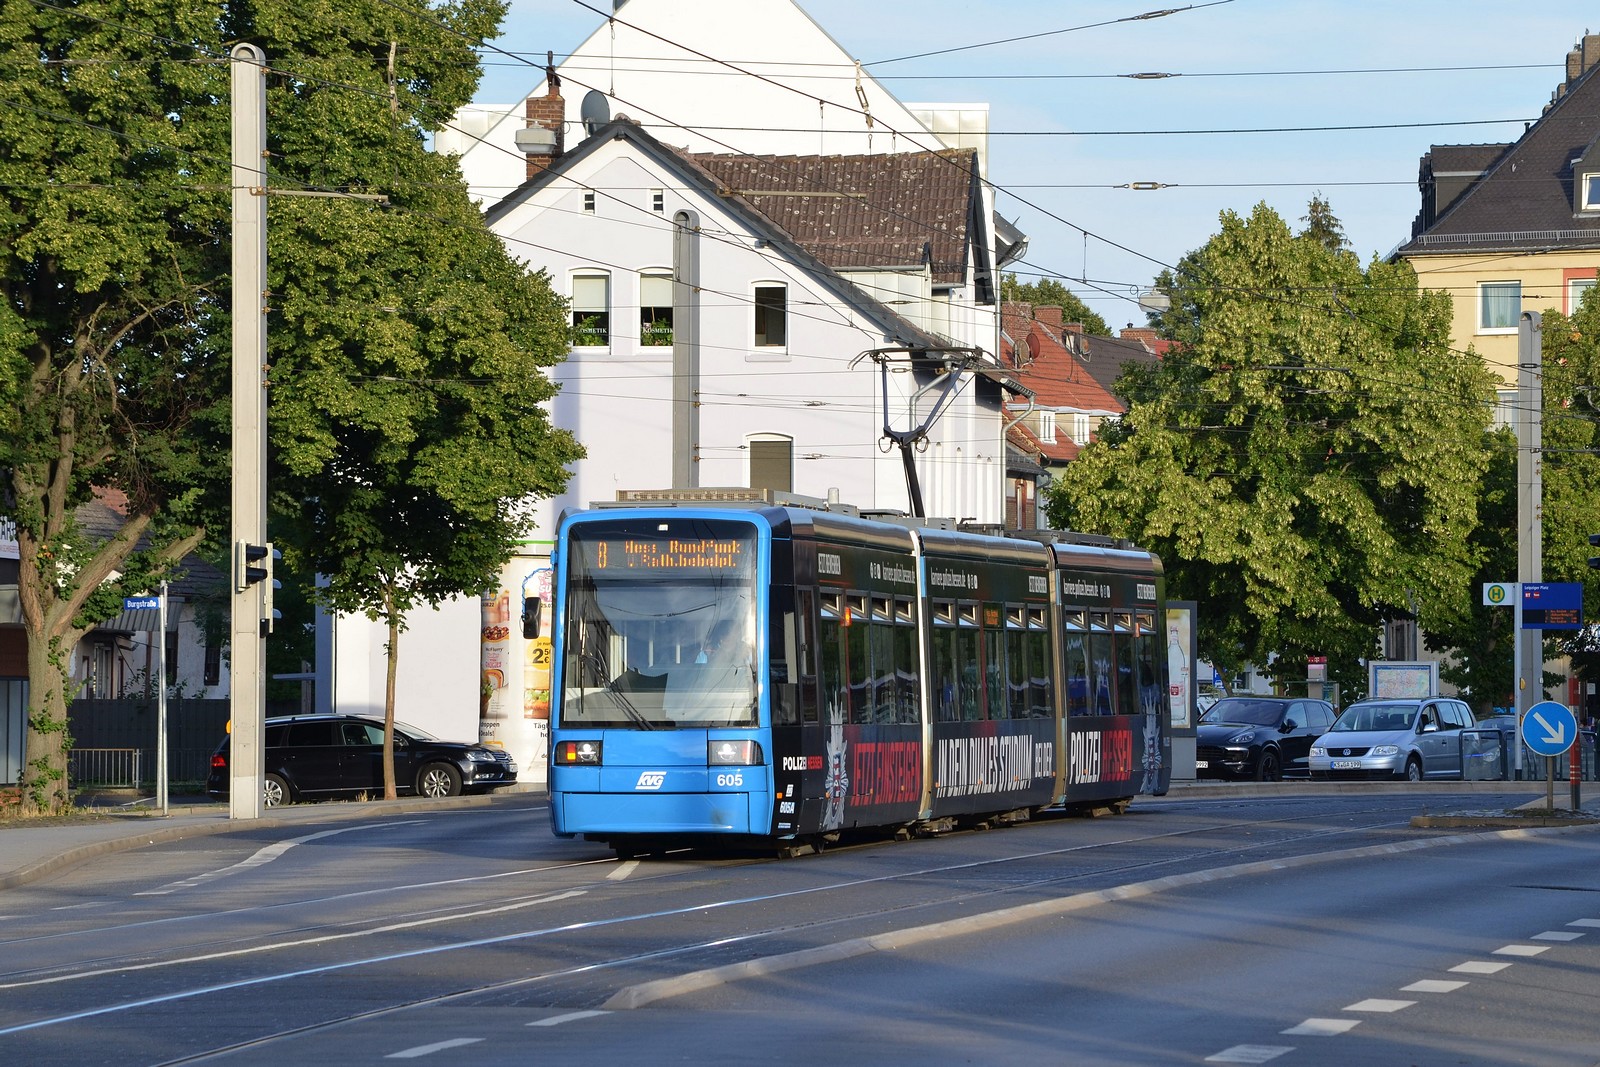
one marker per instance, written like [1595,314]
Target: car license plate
[1201,764]
[1346,765]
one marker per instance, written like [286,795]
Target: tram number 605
[734,780]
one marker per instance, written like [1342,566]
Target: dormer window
[1590,193]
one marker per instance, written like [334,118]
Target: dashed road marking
[1521,950]
[1249,1054]
[1557,935]
[428,1050]
[1585,922]
[1322,1027]
[624,869]
[1432,985]
[1378,1004]
[1479,967]
[569,1017]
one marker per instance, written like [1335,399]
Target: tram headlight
[578,754]
[732,753]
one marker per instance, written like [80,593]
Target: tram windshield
[660,625]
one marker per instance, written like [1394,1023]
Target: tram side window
[830,659]
[969,694]
[905,660]
[1017,665]
[858,661]
[1146,652]
[808,652]
[1101,665]
[1127,681]
[1040,704]
[881,642]
[945,684]
[1077,677]
[994,673]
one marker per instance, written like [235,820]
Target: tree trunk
[388,707]
[45,789]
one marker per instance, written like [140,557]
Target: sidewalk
[29,852]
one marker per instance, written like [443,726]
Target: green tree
[1306,460]
[114,362]
[407,425]
[1048,292]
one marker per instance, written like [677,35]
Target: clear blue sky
[1244,65]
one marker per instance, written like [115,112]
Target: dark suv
[1264,738]
[331,755]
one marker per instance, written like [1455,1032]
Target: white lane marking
[569,1017]
[326,939]
[1380,1004]
[263,857]
[427,1050]
[1585,922]
[1479,967]
[1557,935]
[624,869]
[1249,1054]
[289,976]
[1432,985]
[1322,1027]
[1521,950]
[76,907]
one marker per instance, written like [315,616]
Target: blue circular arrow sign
[1548,729]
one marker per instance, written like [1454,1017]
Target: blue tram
[778,675]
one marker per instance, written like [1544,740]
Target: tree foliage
[114,360]
[1048,292]
[1306,460]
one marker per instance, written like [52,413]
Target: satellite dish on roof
[594,111]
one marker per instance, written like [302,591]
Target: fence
[114,768]
[1487,755]
[194,728]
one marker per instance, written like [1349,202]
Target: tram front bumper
[661,813]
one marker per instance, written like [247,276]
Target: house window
[655,309]
[658,199]
[772,314]
[588,201]
[1499,306]
[1576,287]
[213,664]
[1047,426]
[1591,193]
[772,463]
[1080,428]
[172,657]
[591,310]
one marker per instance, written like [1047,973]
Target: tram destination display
[677,555]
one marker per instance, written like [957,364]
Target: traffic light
[252,564]
[1594,561]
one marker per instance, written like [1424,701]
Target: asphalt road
[1187,930]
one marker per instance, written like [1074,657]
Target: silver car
[1392,738]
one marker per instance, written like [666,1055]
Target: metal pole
[247,692]
[161,703]
[1530,493]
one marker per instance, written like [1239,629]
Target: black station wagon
[309,756]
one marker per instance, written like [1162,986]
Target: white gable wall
[661,79]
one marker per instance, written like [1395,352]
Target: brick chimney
[1143,334]
[1049,315]
[547,112]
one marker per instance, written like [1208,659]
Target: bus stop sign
[1548,729]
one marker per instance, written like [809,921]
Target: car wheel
[1413,770]
[274,791]
[1268,769]
[438,780]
